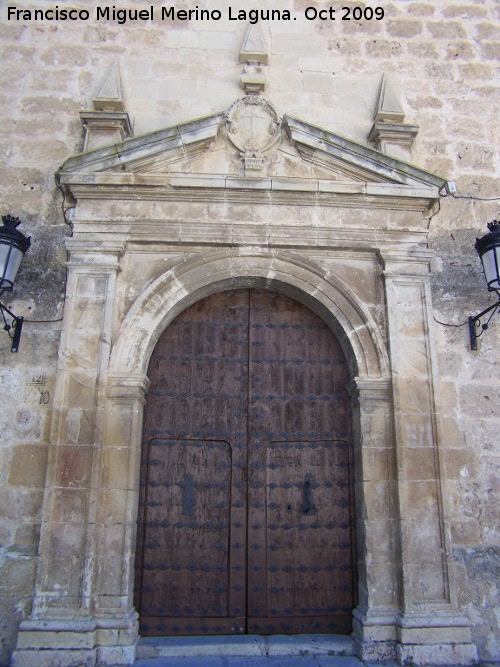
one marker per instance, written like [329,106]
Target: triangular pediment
[217,152]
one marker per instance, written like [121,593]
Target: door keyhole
[307,498]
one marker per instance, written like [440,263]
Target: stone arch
[288,273]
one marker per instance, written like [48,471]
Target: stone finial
[254,47]
[388,107]
[389,134]
[109,92]
[108,123]
[254,56]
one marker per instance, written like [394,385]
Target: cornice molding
[303,192]
[362,177]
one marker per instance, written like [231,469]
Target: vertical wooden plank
[301,577]
[194,476]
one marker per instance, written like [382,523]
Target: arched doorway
[246,502]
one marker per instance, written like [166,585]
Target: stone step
[260,661]
[245,646]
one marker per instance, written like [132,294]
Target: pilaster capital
[366,388]
[127,387]
[375,617]
[415,262]
[94,254]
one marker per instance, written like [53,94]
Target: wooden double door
[246,500]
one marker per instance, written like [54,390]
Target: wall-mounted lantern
[488,249]
[13,246]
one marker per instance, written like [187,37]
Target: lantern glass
[10,261]
[491,264]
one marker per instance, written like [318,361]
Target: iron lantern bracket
[475,324]
[16,325]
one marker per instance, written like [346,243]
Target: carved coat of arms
[253,126]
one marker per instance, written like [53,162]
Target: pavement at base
[250,651]
[252,661]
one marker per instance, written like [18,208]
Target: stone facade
[338,196]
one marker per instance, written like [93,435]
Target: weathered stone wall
[445,56]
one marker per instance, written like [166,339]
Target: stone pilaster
[63,628]
[430,629]
[116,512]
[374,628]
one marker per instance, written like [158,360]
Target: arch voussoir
[288,273]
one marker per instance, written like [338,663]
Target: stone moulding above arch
[291,274]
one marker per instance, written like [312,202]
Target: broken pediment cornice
[324,148]
[171,144]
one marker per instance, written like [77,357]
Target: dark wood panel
[285,625]
[245,516]
[308,529]
[299,486]
[185,562]
[193,473]
[160,626]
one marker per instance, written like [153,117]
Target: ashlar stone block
[51,657]
[437,654]
[28,466]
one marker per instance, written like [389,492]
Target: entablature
[249,155]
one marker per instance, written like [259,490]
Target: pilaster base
[49,658]
[437,654]
[375,636]
[76,643]
[435,640]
